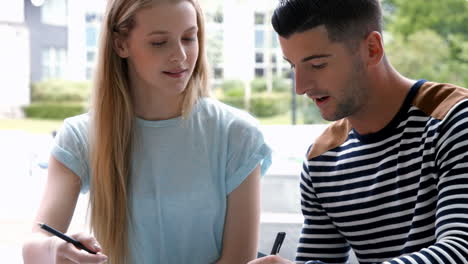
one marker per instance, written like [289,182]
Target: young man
[389,178]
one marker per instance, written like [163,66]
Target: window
[287,73]
[273,58]
[54,61]
[218,17]
[89,73]
[91,36]
[259,18]
[54,12]
[259,57]
[218,73]
[274,39]
[259,38]
[259,72]
[90,56]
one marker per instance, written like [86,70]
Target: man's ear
[374,49]
[120,46]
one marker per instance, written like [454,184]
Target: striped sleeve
[319,239]
[451,223]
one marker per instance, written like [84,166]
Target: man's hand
[272,259]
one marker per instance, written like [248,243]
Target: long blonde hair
[112,121]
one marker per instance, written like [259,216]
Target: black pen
[61,235]
[278,242]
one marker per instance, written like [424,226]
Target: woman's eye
[189,39]
[160,43]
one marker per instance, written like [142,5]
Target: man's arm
[319,239]
[451,222]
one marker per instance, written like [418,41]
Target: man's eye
[189,39]
[319,66]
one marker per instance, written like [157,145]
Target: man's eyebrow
[164,32]
[318,56]
[286,59]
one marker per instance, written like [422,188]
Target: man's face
[327,72]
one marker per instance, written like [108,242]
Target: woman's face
[162,47]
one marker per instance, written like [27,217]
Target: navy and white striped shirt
[396,196]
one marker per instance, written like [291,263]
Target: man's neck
[388,90]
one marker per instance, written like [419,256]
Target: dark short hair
[345,20]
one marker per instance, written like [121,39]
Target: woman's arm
[56,210]
[240,237]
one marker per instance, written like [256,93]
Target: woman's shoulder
[78,123]
[217,110]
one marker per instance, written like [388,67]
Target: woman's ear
[374,48]
[121,47]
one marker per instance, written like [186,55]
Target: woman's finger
[88,241]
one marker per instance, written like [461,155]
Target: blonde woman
[173,175]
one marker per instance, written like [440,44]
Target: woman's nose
[179,53]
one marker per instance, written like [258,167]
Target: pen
[61,235]
[278,242]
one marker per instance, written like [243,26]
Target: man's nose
[299,82]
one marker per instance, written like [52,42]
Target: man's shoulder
[438,99]
[333,136]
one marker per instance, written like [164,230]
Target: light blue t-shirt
[182,173]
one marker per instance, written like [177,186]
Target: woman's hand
[67,253]
[272,259]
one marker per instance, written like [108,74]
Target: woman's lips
[175,73]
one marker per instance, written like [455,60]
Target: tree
[426,55]
[445,17]
[429,38]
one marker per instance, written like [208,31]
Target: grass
[42,126]
[284,119]
[37,126]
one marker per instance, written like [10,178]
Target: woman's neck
[149,104]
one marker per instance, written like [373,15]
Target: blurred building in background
[63,37]
[240,31]
[14,59]
[58,39]
[65,33]
[48,26]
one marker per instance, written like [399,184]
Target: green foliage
[228,85]
[232,93]
[234,101]
[262,103]
[270,104]
[259,85]
[60,91]
[444,17]
[57,111]
[278,84]
[459,47]
[426,55]
[429,39]
[238,92]
[281,85]
[310,112]
[58,99]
